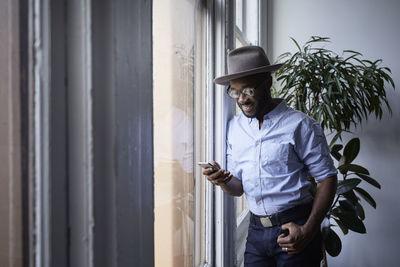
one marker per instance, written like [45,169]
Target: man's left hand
[298,238]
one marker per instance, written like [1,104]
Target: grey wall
[371,27]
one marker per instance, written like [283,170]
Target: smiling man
[271,150]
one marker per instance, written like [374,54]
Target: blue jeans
[262,249]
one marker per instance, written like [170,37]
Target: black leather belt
[283,216]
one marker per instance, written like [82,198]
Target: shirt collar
[277,111]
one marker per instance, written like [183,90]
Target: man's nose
[242,98]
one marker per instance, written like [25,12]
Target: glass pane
[251,21]
[174,47]
[239,14]
[247,18]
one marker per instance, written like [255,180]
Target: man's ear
[268,83]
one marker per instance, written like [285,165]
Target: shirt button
[257,142]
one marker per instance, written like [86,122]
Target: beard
[251,109]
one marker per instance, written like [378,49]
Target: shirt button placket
[258,184]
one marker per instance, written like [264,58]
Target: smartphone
[207,165]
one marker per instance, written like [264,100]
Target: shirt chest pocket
[275,157]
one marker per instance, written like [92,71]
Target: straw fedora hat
[245,61]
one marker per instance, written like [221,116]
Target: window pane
[174,32]
[239,14]
[247,22]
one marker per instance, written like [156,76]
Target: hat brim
[224,80]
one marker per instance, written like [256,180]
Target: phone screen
[207,165]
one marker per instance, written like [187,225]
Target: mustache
[246,103]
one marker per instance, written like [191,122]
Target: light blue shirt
[274,162]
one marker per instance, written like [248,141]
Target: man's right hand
[219,177]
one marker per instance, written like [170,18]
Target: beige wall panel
[173,51]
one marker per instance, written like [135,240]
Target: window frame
[230,232]
[223,111]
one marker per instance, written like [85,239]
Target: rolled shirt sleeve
[313,150]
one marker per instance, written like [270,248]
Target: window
[179,83]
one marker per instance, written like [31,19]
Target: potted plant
[340,92]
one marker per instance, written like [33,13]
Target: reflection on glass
[239,14]
[173,57]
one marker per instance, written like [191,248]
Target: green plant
[339,91]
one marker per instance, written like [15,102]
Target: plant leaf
[344,229]
[337,135]
[351,150]
[366,196]
[332,242]
[351,196]
[347,185]
[354,168]
[297,44]
[360,211]
[347,205]
[342,162]
[337,147]
[335,151]
[336,155]
[351,221]
[352,51]
[369,180]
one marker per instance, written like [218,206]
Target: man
[271,150]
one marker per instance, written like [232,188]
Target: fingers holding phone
[214,173]
[209,167]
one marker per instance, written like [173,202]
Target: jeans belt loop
[266,221]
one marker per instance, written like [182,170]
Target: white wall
[371,27]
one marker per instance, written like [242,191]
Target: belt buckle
[266,221]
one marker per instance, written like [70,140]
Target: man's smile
[248,107]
